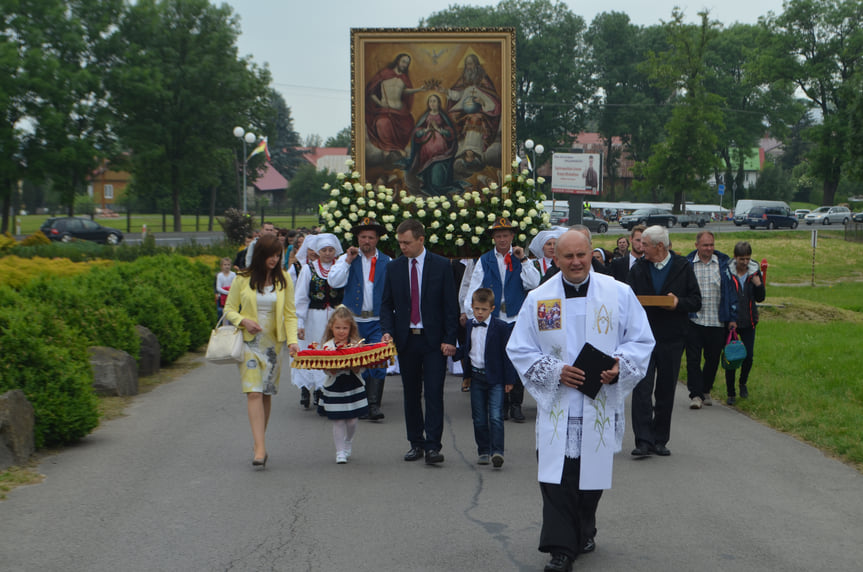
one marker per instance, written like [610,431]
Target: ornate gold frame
[430,51]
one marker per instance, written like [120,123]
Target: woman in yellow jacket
[261,302]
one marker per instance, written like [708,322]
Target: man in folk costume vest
[506,271]
[361,271]
[576,436]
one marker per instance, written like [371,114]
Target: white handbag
[226,344]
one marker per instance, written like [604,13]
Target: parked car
[648,217]
[65,229]
[857,217]
[558,217]
[770,218]
[699,219]
[829,215]
[741,209]
[800,213]
[595,224]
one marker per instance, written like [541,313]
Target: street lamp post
[249,138]
[534,150]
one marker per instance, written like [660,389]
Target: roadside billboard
[576,173]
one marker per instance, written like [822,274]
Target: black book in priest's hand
[592,362]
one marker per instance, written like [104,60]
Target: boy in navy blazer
[492,375]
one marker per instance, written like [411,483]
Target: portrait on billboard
[432,110]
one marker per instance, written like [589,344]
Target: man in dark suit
[661,273]
[419,311]
[620,266]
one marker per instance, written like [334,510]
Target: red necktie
[544,265]
[372,271]
[508,261]
[415,293]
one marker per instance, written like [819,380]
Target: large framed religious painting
[433,110]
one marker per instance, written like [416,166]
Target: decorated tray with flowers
[349,356]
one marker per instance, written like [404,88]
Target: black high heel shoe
[261,462]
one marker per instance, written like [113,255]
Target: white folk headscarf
[303,252]
[328,239]
[541,238]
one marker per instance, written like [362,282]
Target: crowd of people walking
[578,328]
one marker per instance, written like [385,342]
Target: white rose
[433,239]
[541,180]
[358,187]
[340,176]
[480,214]
[465,227]
[337,214]
[495,200]
[403,194]
[522,225]
[349,235]
[381,196]
[522,199]
[474,239]
[361,201]
[368,186]
[546,217]
[460,203]
[353,217]
[508,178]
[450,227]
[453,216]
[395,208]
[521,178]
[348,186]
[448,236]
[435,224]
[478,230]
[462,212]
[445,204]
[507,203]
[332,204]
[355,174]
[389,227]
[515,164]
[531,212]
[530,183]
[522,238]
[528,220]
[437,213]
[485,190]
[421,213]
[349,163]
[506,213]
[493,186]
[334,193]
[490,217]
[353,208]
[534,231]
[519,212]
[459,241]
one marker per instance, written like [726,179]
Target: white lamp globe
[239,132]
[528,144]
[250,138]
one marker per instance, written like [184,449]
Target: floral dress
[261,365]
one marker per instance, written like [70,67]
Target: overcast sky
[307,42]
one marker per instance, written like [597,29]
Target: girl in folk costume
[344,395]
[315,301]
[303,254]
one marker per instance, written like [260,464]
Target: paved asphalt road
[170,487]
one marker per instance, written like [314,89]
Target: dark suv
[771,217]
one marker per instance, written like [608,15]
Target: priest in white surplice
[576,437]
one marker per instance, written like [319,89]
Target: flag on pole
[261,148]
[529,165]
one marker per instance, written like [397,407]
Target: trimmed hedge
[47,325]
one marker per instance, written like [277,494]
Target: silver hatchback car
[829,215]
